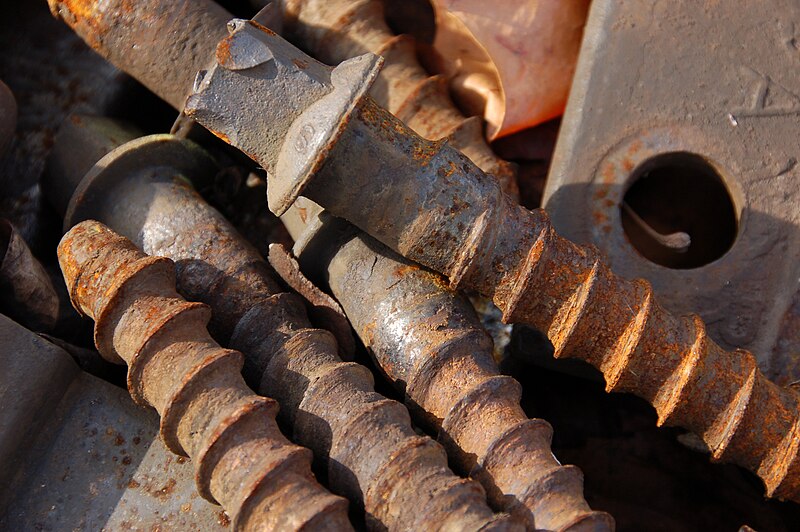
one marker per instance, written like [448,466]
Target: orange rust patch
[627,164]
[405,269]
[224,53]
[599,218]
[299,63]
[609,173]
[83,9]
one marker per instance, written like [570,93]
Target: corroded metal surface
[734,106]
[26,291]
[148,38]
[429,343]
[207,412]
[364,441]
[434,206]
[89,458]
[334,31]
[323,310]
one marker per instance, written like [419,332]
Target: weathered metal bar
[26,291]
[429,342]
[336,30]
[207,412]
[364,441]
[162,44]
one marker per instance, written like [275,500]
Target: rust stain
[224,56]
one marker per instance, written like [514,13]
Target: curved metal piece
[428,341]
[26,292]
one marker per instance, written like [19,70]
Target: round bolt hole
[678,212]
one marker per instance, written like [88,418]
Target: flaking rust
[429,342]
[336,30]
[242,461]
[364,441]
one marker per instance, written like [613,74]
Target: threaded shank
[207,412]
[616,325]
[429,342]
[364,441]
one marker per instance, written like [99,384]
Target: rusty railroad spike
[365,441]
[242,461]
[319,134]
[430,344]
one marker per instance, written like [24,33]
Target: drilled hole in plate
[677,211]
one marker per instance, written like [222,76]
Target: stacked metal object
[250,366]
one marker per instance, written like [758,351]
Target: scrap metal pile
[272,225]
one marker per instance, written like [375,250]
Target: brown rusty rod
[364,441]
[161,43]
[428,341]
[336,30]
[208,413]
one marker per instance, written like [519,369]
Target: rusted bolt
[364,441]
[26,292]
[208,413]
[431,204]
[429,342]
[336,30]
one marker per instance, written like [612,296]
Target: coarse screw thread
[242,461]
[430,344]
